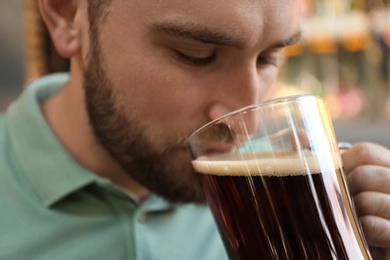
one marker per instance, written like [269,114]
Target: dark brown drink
[282,209]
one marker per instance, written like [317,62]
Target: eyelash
[201,62]
[194,61]
[268,61]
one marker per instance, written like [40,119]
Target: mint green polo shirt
[53,208]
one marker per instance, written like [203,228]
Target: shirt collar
[51,170]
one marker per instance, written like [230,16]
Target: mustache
[177,143]
[213,139]
[218,133]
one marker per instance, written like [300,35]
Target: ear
[60,19]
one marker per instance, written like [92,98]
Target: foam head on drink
[267,164]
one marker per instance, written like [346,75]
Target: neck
[66,115]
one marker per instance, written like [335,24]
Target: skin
[157,95]
[368,175]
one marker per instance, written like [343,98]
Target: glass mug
[273,177]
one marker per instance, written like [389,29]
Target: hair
[97,12]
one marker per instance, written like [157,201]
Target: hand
[367,166]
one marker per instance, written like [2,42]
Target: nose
[237,88]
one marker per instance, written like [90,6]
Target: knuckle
[362,177]
[369,226]
[372,203]
[363,150]
[376,230]
[372,153]
[363,203]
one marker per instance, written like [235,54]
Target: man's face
[158,70]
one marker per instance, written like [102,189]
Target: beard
[167,172]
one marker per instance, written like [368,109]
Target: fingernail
[344,146]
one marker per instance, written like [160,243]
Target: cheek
[153,86]
[267,80]
[159,97]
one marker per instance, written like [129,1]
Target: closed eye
[196,61]
[272,58]
[268,61]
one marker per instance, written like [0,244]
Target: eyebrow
[205,35]
[197,33]
[295,38]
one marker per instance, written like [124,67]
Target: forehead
[248,18]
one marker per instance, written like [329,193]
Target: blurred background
[11,50]
[344,57]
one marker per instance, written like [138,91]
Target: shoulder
[6,167]
[9,165]
[3,135]
[2,123]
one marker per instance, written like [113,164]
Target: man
[93,164]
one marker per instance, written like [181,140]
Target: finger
[376,230]
[369,178]
[365,153]
[373,204]
[379,253]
